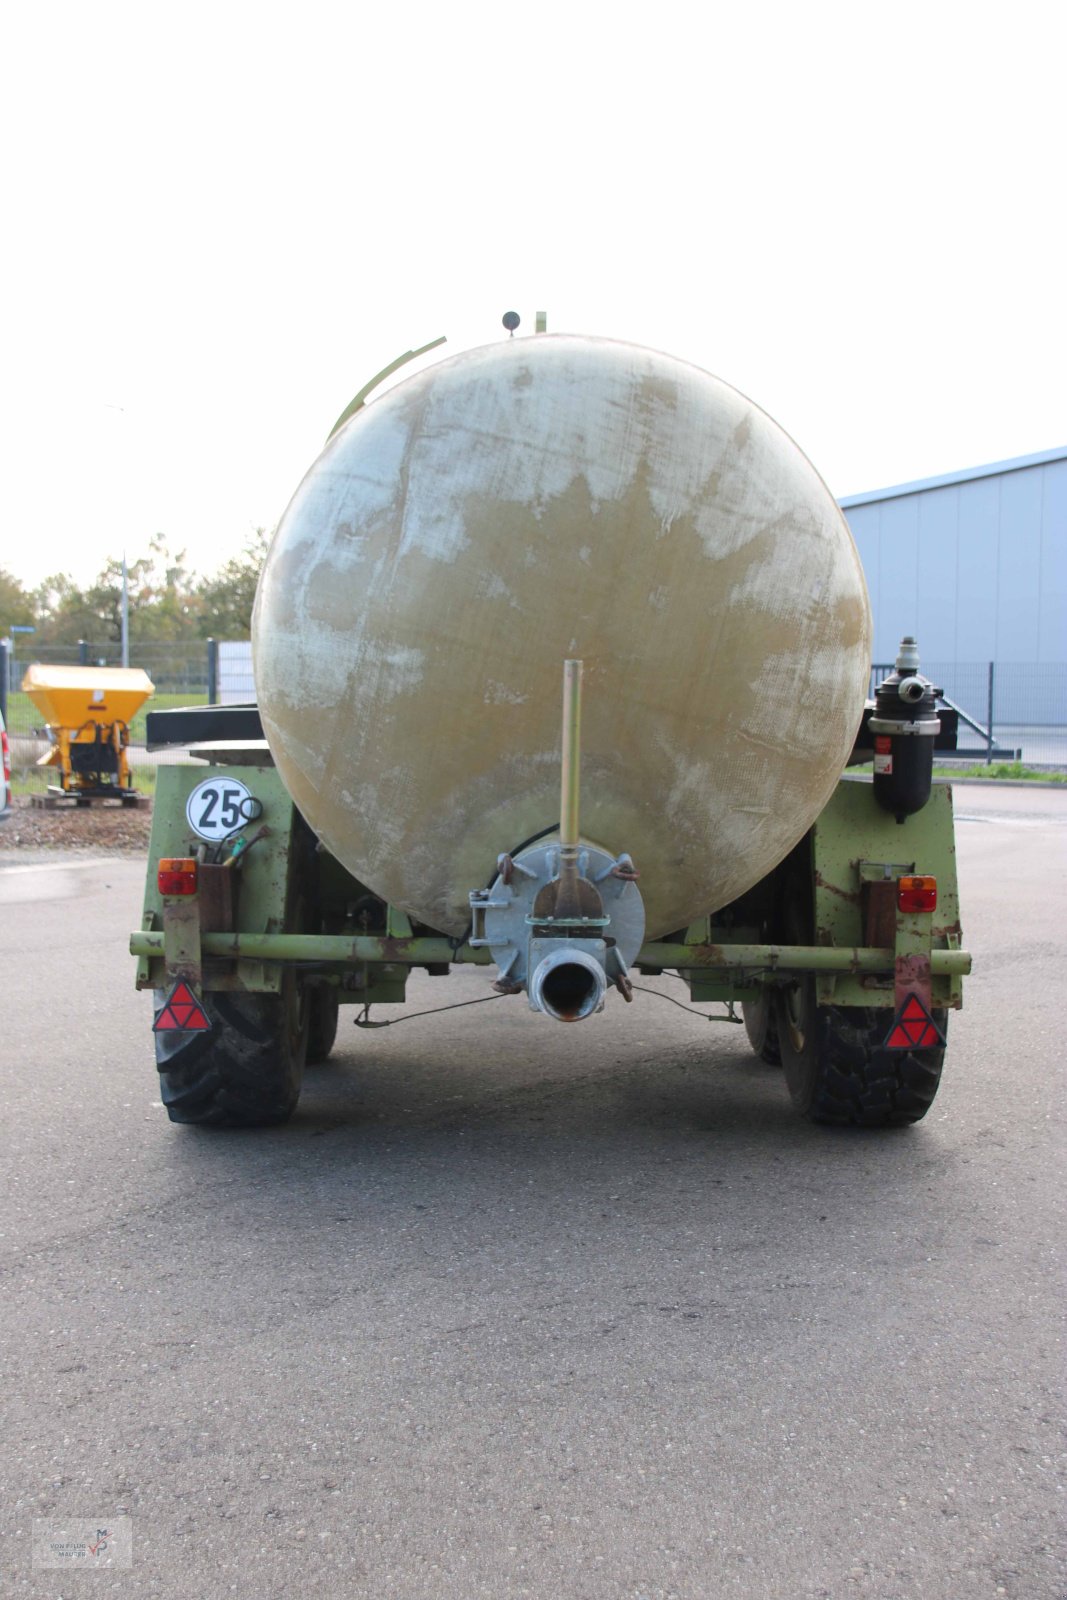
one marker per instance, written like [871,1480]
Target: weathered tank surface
[542,499]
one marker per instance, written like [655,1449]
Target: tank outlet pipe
[567,985]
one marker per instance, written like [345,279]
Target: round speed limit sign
[218,806]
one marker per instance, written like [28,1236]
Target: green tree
[168,603]
[227,596]
[64,614]
[163,606]
[17,605]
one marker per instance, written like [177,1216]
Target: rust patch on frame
[912,976]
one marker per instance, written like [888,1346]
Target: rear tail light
[917,894]
[176,875]
[6,749]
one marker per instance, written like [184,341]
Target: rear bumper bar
[342,950]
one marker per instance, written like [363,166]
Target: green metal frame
[853,845]
[264,895]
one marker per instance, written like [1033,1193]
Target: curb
[1002,783]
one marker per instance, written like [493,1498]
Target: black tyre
[245,1073]
[761,1025]
[837,1070]
[323,1008]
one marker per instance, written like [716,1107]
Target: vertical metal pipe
[570,775]
[125,613]
[989,720]
[212,672]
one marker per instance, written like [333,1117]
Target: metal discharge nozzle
[563,921]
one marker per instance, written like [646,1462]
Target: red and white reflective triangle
[182,1012]
[913,1028]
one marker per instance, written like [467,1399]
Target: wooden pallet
[59,800]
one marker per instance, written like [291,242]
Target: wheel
[323,1007]
[837,1070]
[761,1025]
[245,1073]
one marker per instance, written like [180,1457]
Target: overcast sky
[222,219]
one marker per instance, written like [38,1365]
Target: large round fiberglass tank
[535,500]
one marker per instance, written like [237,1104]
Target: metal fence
[173,668]
[1009,710]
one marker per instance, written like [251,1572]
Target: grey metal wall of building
[973,563]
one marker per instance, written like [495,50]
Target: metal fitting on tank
[567,985]
[562,919]
[511,920]
[908,655]
[905,725]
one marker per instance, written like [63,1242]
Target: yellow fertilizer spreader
[88,711]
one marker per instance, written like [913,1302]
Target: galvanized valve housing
[529,951]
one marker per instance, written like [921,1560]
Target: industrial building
[974,563]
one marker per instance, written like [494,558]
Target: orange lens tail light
[176,875]
[917,894]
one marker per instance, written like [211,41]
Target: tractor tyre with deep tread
[247,1071]
[761,1025]
[837,1068]
[323,1008]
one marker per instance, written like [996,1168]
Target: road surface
[518,1310]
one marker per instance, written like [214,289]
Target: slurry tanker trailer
[562,649]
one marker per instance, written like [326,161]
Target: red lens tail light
[176,875]
[6,748]
[917,894]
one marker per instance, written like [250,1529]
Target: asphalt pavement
[513,1309]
